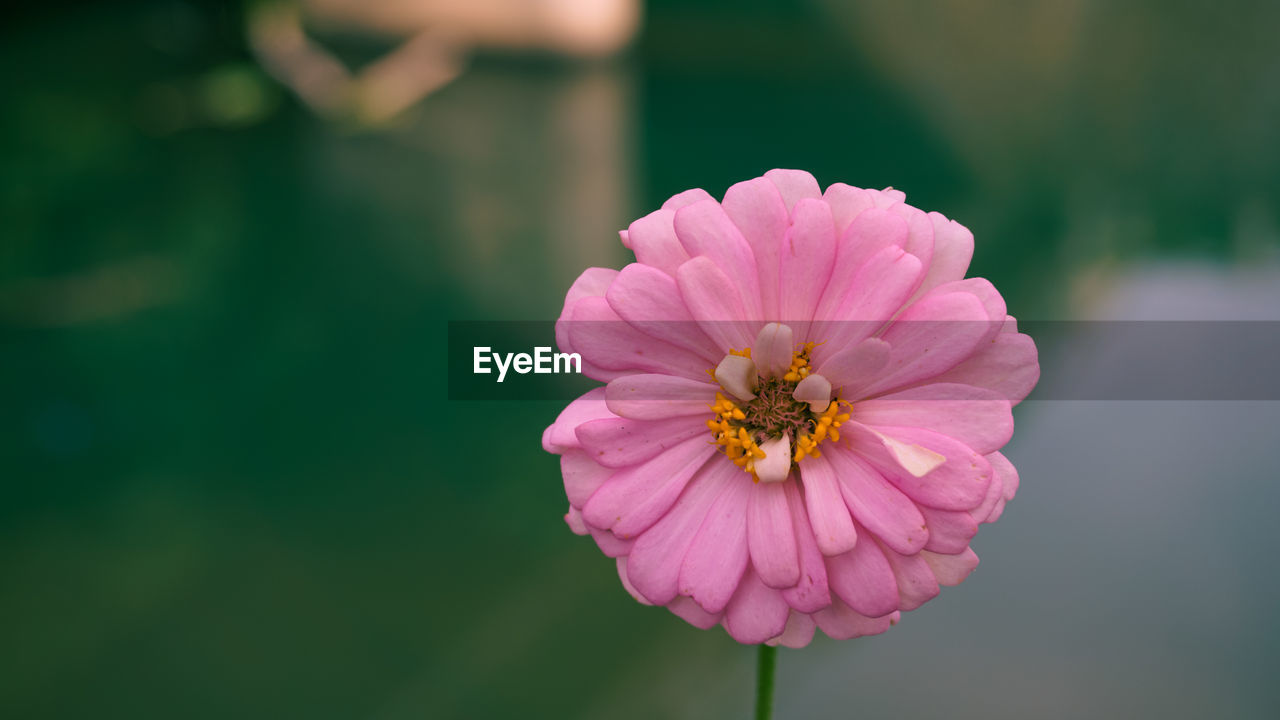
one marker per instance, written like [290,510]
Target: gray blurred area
[232,484]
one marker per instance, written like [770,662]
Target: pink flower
[804,408]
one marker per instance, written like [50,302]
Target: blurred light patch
[107,291]
[430,43]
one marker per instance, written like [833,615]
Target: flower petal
[863,579]
[952,252]
[705,230]
[877,504]
[798,633]
[649,301]
[930,337]
[916,582]
[977,417]
[870,233]
[653,239]
[875,295]
[619,442]
[1009,365]
[959,483]
[561,436]
[686,198]
[582,476]
[776,463]
[634,499]
[773,350]
[832,524]
[689,611]
[626,582]
[855,366]
[573,518]
[771,537]
[756,613]
[794,185]
[847,202]
[655,397]
[811,592]
[808,254]
[611,545]
[840,622]
[604,340]
[655,560]
[717,557]
[756,208]
[951,569]
[949,530]
[715,303]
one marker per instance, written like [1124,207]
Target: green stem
[764,681]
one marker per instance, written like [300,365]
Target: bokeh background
[232,485]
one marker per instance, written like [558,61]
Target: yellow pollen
[742,446]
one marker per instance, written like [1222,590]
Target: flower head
[804,408]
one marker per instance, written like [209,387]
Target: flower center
[750,424]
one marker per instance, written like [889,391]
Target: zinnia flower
[804,408]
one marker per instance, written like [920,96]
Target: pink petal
[875,295]
[770,536]
[832,524]
[653,239]
[855,365]
[689,611]
[863,579]
[808,253]
[573,519]
[611,545]
[919,232]
[1007,476]
[982,289]
[561,435]
[951,569]
[960,483]
[869,234]
[582,476]
[756,207]
[705,230]
[794,185]
[877,505]
[717,557]
[603,339]
[626,582]
[686,198]
[811,592]
[949,530]
[1009,365]
[635,498]
[798,633]
[952,252]
[756,613]
[977,417]
[655,397]
[715,303]
[620,442]
[593,282]
[840,622]
[846,203]
[655,560]
[649,300]
[994,496]
[931,337]
[916,583]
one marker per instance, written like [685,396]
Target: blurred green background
[232,485]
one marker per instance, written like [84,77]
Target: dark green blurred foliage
[232,486]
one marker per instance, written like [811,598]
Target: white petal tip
[777,460]
[773,349]
[737,375]
[815,390]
